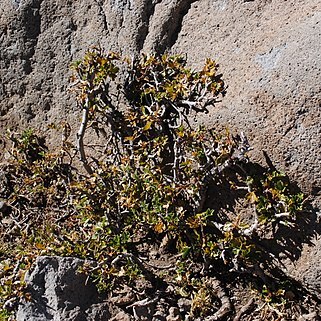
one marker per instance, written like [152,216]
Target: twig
[17,267]
[176,161]
[166,267]
[285,214]
[80,137]
[180,119]
[244,309]
[249,231]
[129,256]
[142,303]
[64,217]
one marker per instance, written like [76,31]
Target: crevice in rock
[102,13]
[171,25]
[174,24]
[147,13]
[31,20]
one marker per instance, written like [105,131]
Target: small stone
[313,316]
[121,316]
[174,315]
[55,285]
[159,316]
[184,305]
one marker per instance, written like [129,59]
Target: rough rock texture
[269,54]
[268,50]
[60,293]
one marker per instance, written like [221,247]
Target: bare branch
[81,135]
[248,306]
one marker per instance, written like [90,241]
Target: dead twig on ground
[247,307]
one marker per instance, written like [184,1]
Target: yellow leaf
[147,126]
[159,227]
[40,246]
[251,197]
[192,222]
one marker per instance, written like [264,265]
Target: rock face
[269,54]
[60,293]
[268,50]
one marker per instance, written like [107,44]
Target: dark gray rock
[59,292]
[5,186]
[3,207]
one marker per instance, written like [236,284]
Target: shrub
[147,186]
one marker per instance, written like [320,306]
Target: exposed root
[226,306]
[247,307]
